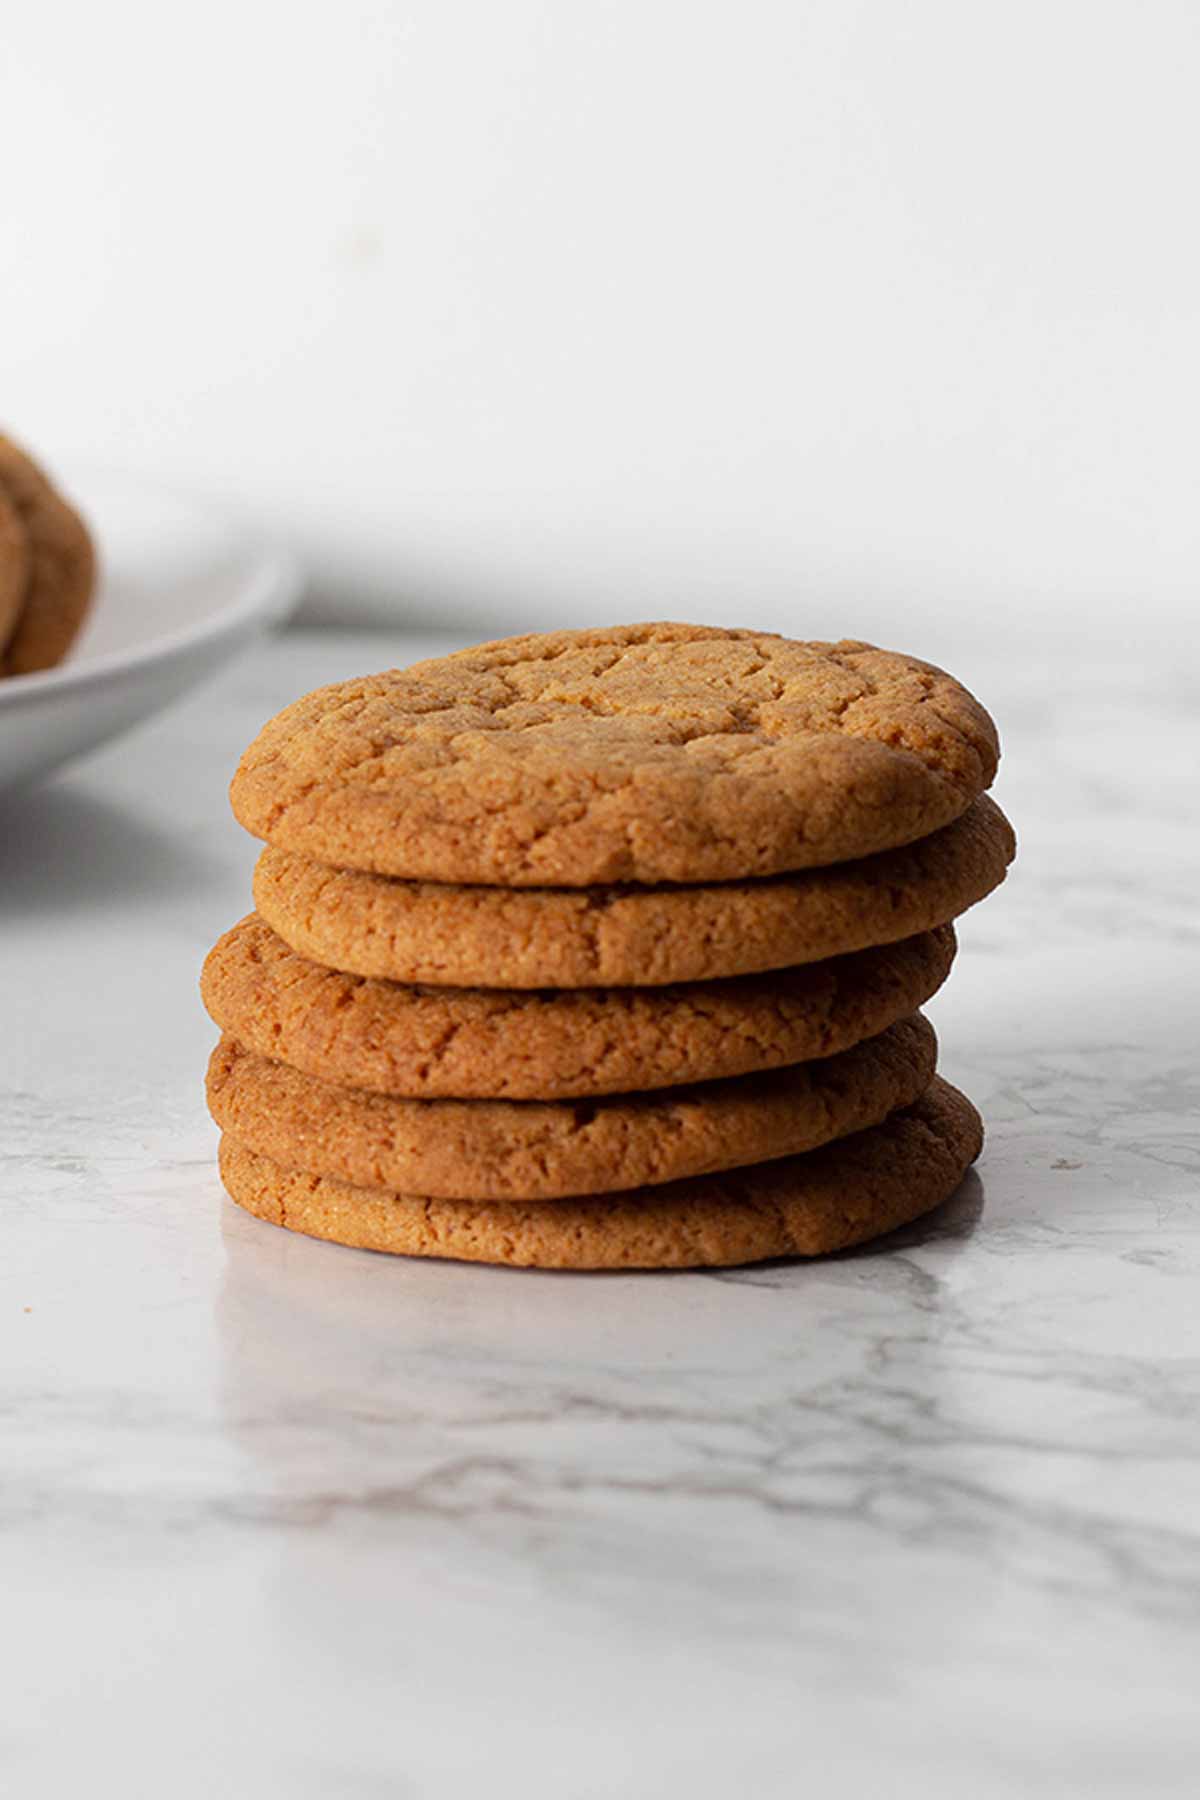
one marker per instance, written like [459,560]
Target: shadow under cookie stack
[605,950]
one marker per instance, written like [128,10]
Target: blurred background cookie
[47,566]
[14,569]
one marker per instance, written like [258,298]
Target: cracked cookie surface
[436,934]
[642,753]
[487,1043]
[540,1150]
[832,1198]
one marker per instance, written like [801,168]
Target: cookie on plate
[60,569]
[14,570]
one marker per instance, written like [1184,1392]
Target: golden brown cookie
[487,1043]
[539,1150]
[14,570]
[830,1199]
[640,753]
[61,570]
[420,931]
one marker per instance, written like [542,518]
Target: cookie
[14,569]
[424,932]
[61,569]
[535,1150]
[487,1043]
[643,753]
[831,1199]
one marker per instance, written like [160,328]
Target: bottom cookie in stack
[832,1198]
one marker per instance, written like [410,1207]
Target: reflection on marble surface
[283,1519]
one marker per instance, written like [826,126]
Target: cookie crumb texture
[481,1043]
[47,567]
[831,1199]
[429,932]
[532,1150]
[644,753]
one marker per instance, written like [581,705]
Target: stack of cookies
[605,949]
[47,567]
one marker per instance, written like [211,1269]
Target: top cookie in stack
[644,753]
[631,825]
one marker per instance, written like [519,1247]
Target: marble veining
[282,1519]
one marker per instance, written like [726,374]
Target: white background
[867,318]
[873,318]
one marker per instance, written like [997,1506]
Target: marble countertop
[280,1519]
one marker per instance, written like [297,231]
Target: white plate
[181,590]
